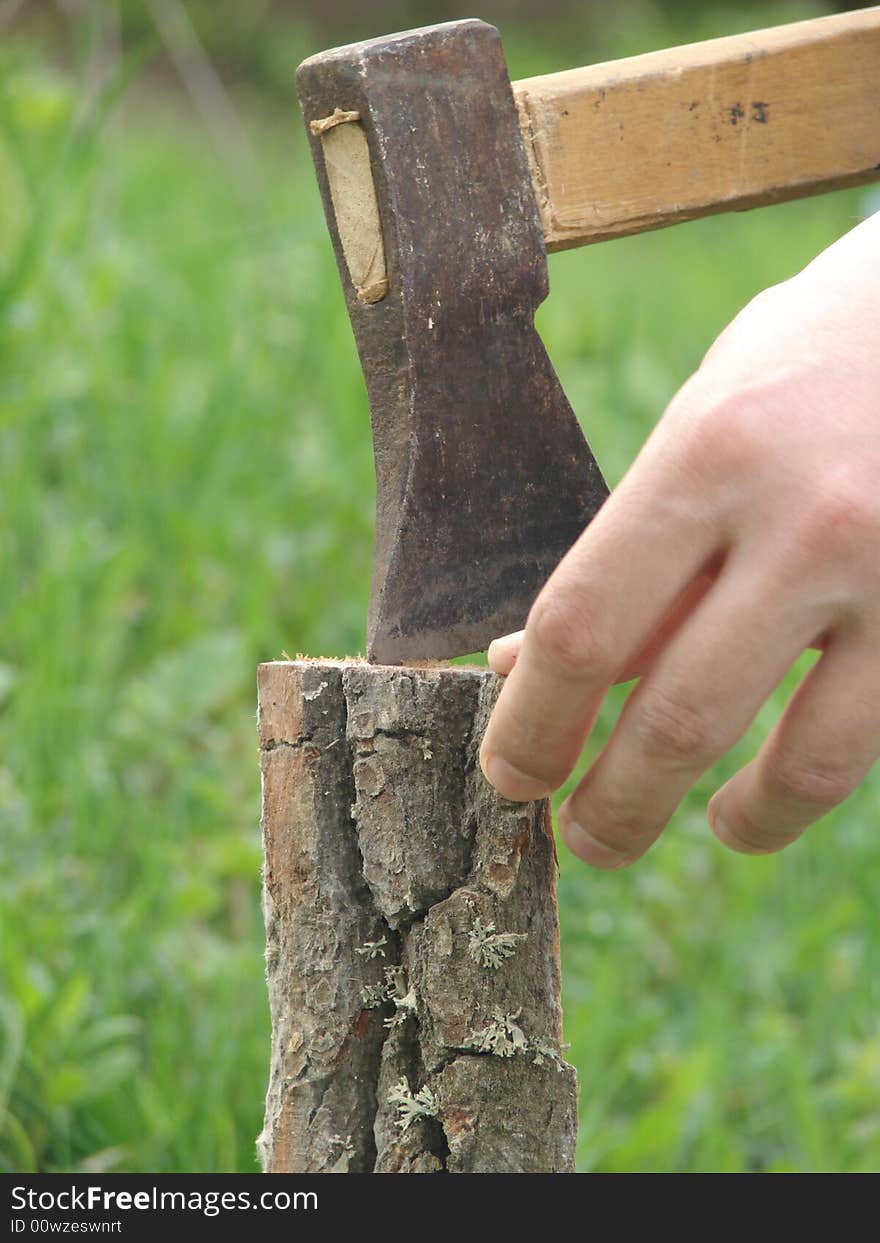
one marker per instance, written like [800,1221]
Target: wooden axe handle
[732,123]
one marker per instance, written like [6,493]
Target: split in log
[412,936]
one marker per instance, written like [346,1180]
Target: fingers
[503,652]
[823,747]
[699,698]
[601,606]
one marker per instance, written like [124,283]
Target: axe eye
[346,156]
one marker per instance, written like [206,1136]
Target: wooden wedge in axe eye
[444,187]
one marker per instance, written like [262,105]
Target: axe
[444,187]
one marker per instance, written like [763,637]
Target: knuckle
[560,629]
[765,307]
[723,434]
[807,783]
[841,515]
[669,729]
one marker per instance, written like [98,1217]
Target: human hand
[747,530]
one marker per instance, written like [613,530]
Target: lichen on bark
[380,830]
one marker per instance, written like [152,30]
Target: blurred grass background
[186,489]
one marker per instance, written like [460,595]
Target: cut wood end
[422,668]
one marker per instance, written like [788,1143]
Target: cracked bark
[385,848]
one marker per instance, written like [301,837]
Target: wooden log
[724,125]
[412,937]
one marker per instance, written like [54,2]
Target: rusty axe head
[484,478]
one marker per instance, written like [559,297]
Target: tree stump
[412,936]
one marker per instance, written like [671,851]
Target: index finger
[602,604]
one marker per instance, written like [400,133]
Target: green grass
[186,489]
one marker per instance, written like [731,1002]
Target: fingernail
[718,825]
[720,829]
[728,838]
[506,640]
[503,650]
[582,843]
[510,782]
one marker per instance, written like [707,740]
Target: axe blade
[484,478]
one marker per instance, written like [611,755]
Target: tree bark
[412,937]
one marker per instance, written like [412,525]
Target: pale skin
[747,530]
